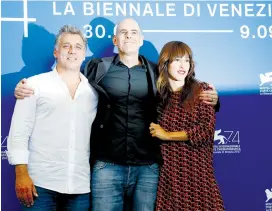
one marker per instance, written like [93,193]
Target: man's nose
[128,35]
[72,49]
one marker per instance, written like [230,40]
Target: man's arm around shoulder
[91,68]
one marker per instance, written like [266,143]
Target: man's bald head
[128,37]
[126,22]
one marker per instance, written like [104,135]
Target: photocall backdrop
[232,45]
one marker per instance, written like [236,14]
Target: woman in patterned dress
[186,128]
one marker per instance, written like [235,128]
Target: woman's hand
[157,131]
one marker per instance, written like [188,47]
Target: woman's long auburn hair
[191,88]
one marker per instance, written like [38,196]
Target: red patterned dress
[187,181]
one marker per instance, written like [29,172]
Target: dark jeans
[118,187]
[49,200]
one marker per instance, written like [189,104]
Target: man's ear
[55,53]
[114,40]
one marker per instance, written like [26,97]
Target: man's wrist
[21,170]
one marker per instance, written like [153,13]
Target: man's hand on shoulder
[22,90]
[209,97]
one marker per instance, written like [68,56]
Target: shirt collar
[117,60]
[55,74]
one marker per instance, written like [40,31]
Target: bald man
[126,158]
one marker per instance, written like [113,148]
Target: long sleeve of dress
[203,130]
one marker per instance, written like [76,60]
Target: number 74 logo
[228,136]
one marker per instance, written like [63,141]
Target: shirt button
[108,105]
[101,126]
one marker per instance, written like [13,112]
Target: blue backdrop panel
[232,45]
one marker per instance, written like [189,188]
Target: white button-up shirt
[50,132]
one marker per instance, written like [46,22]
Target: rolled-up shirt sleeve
[21,127]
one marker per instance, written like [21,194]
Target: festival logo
[226,141]
[266,83]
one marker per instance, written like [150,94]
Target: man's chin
[73,67]
[131,51]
